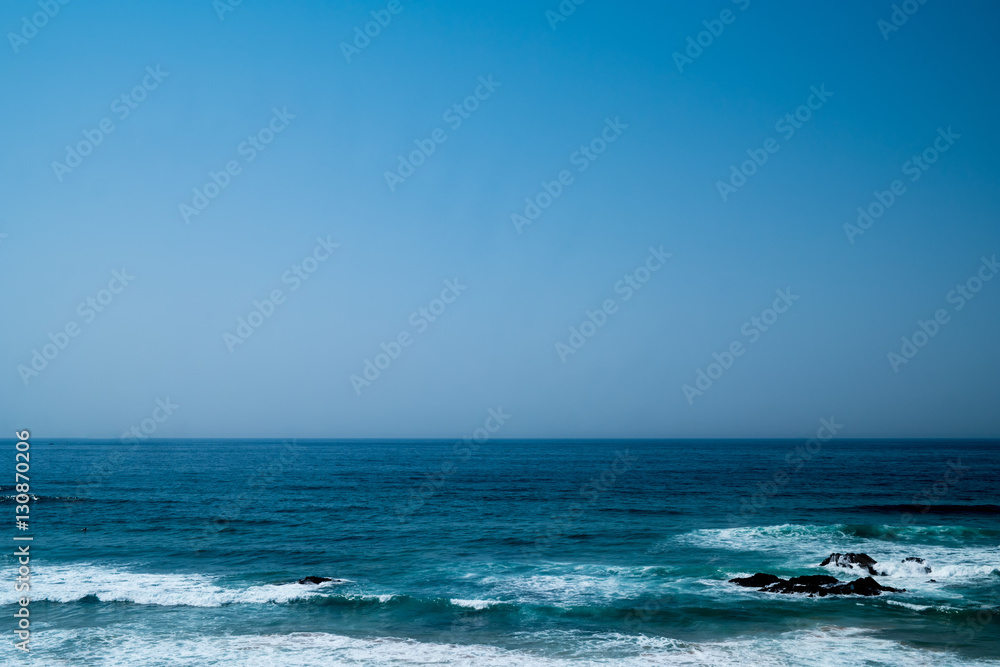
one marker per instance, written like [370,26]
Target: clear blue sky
[551,92]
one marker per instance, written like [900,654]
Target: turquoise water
[517,553]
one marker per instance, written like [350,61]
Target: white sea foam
[804,546]
[914,607]
[764,536]
[569,585]
[120,647]
[563,590]
[475,604]
[975,566]
[552,584]
[67,583]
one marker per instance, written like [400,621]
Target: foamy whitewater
[528,553]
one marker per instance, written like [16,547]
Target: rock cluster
[818,585]
[849,560]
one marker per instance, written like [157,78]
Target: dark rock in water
[314,580]
[866,586]
[848,560]
[814,583]
[813,580]
[819,585]
[932,581]
[822,585]
[758,580]
[914,559]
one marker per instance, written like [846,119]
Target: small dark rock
[848,560]
[314,580]
[758,580]
[932,581]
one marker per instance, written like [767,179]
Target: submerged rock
[314,580]
[758,580]
[849,560]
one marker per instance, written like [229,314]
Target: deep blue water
[519,553]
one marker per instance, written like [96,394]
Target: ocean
[506,553]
